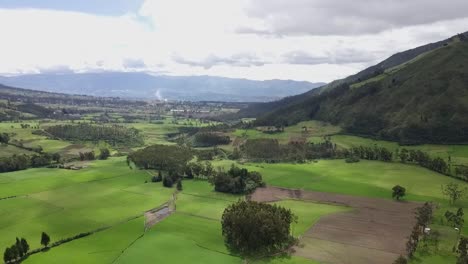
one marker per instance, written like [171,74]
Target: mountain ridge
[143,85]
[422,100]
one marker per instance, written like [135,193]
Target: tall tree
[453,191]
[45,239]
[424,215]
[24,245]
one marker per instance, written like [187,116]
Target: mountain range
[415,96]
[146,86]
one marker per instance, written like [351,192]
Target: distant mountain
[142,85]
[417,96]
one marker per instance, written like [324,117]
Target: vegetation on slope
[422,102]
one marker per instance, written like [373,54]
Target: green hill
[422,99]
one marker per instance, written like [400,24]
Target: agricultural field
[193,229]
[312,130]
[111,198]
[458,153]
[65,203]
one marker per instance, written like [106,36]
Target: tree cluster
[371,153]
[22,162]
[455,219]
[17,251]
[209,139]
[114,135]
[172,159]
[199,170]
[236,180]
[87,155]
[4,138]
[270,150]
[251,228]
[104,154]
[423,159]
[423,217]
[462,172]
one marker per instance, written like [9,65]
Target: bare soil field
[376,230]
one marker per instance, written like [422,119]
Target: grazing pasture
[64,203]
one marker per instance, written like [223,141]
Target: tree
[56,157]
[462,250]
[45,239]
[398,192]
[19,246]
[453,191]
[424,215]
[14,253]
[179,185]
[251,228]
[24,245]
[455,219]
[105,153]
[157,178]
[400,260]
[7,255]
[167,182]
[4,138]
[236,180]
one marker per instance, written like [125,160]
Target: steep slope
[142,85]
[422,100]
[398,59]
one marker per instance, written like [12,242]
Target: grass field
[458,153]
[9,150]
[372,179]
[193,232]
[25,136]
[102,247]
[365,178]
[64,203]
[310,129]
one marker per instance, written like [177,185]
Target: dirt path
[156,215]
[375,231]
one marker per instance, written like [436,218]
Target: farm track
[375,231]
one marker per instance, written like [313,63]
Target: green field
[193,232]
[108,193]
[25,136]
[311,130]
[64,203]
[458,153]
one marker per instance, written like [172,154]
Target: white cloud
[181,37]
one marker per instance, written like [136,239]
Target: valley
[371,168]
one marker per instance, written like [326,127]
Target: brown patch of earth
[156,215]
[376,230]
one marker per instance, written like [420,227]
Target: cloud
[57,69]
[238,60]
[342,17]
[133,64]
[104,7]
[180,37]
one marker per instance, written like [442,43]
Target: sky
[311,40]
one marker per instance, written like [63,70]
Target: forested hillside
[423,100]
